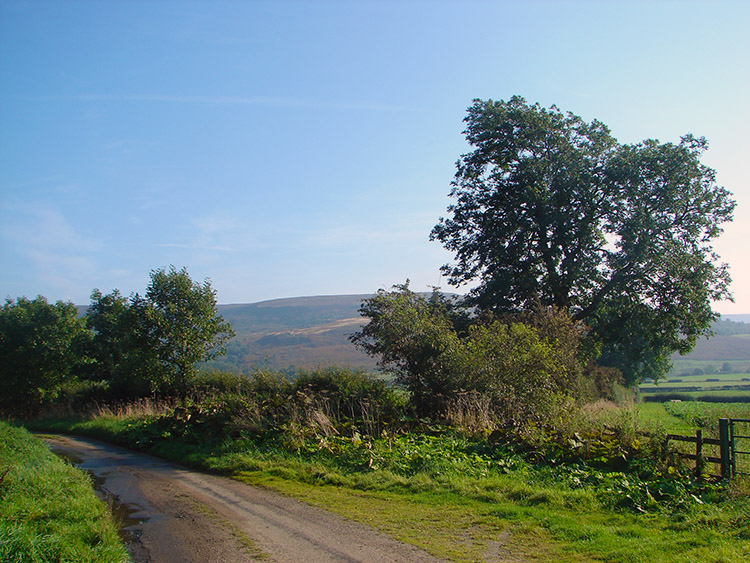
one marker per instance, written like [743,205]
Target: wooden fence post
[726,454]
[699,464]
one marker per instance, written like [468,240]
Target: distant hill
[295,332]
[731,341]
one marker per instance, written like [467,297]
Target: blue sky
[304,148]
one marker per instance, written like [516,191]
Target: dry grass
[136,409]
[472,412]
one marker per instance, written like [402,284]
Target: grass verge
[48,509]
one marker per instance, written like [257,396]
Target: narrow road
[172,515]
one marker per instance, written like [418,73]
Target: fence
[732,446]
[739,445]
[699,456]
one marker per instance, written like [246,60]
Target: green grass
[48,509]
[688,416]
[467,500]
[729,387]
[656,416]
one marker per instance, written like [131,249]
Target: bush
[523,367]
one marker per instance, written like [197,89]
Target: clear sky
[291,148]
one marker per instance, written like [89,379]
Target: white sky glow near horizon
[284,149]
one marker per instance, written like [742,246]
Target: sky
[285,149]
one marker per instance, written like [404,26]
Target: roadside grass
[48,509]
[469,499]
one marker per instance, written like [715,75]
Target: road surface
[171,514]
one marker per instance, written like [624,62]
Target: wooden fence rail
[699,458]
[729,442]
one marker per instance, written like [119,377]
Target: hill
[294,332]
[730,345]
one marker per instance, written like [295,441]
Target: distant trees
[41,350]
[551,209]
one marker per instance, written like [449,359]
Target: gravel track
[171,514]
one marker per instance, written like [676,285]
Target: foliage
[552,209]
[151,344]
[183,325]
[515,368]
[42,347]
[411,335]
[123,354]
[106,317]
[524,372]
[48,510]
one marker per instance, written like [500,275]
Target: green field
[717,386]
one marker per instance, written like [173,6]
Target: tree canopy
[183,325]
[152,343]
[553,210]
[41,348]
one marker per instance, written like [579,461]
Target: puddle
[124,513]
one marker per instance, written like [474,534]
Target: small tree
[409,333]
[180,322]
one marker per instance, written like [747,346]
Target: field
[716,386]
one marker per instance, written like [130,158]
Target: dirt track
[172,514]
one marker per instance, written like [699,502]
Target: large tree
[552,210]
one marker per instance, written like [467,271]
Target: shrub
[524,366]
